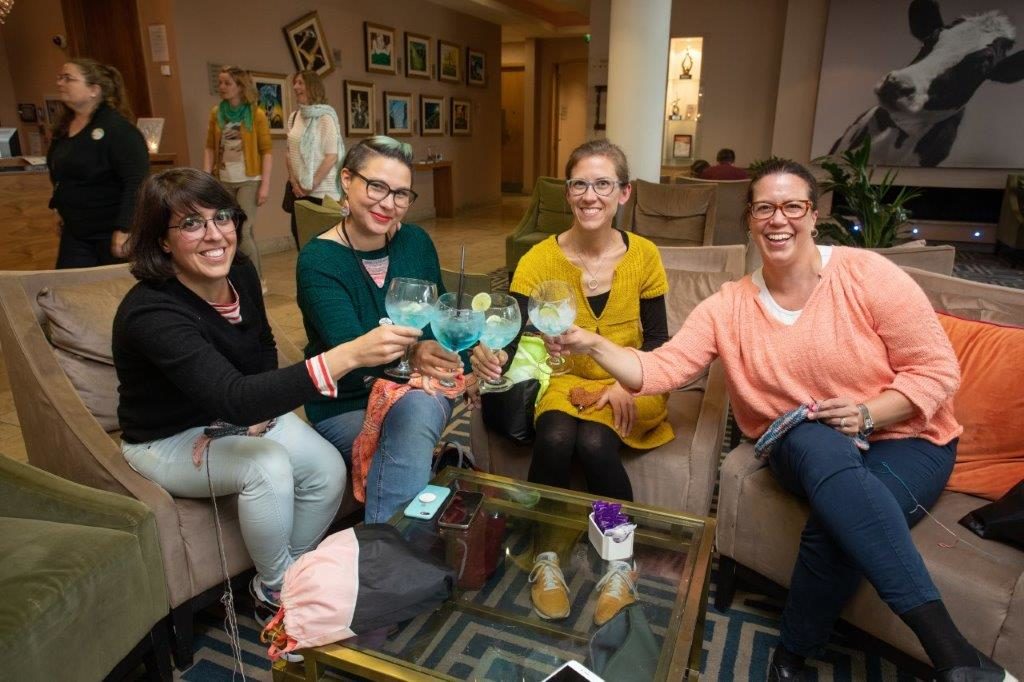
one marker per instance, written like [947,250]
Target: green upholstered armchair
[312,220]
[549,214]
[1011,221]
[82,577]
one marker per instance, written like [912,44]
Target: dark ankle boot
[781,672]
[987,670]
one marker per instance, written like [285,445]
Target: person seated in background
[585,415]
[890,380]
[698,167]
[343,277]
[193,348]
[724,169]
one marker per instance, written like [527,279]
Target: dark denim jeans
[859,526]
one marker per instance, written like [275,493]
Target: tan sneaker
[617,590]
[549,593]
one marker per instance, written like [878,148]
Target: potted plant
[868,216]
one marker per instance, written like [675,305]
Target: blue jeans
[401,464]
[289,484]
[859,525]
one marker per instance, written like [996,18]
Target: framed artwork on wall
[417,55]
[431,115]
[380,48]
[308,45]
[27,112]
[476,67]
[397,113]
[682,146]
[272,95]
[462,116]
[359,113]
[449,62]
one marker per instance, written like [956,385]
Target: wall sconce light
[687,66]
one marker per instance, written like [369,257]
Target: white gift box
[608,548]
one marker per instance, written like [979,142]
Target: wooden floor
[33,246]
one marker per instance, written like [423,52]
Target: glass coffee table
[488,629]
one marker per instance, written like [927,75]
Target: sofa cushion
[553,213]
[990,405]
[96,384]
[672,214]
[686,289]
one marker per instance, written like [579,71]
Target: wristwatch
[869,423]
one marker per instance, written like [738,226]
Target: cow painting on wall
[945,92]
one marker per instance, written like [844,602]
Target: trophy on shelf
[675,111]
[687,66]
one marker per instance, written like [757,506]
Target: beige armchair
[938,259]
[671,215]
[681,474]
[64,437]
[548,214]
[1011,221]
[759,526]
[730,207]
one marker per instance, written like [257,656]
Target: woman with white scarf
[315,145]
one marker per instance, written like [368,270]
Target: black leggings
[561,438]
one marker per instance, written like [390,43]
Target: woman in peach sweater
[850,336]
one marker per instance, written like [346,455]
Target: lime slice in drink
[493,319]
[548,316]
[481,302]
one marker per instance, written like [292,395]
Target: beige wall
[165,92]
[550,53]
[248,33]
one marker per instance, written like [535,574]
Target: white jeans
[289,484]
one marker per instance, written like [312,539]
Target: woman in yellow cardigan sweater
[238,151]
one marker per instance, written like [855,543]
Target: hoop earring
[345,210]
[814,233]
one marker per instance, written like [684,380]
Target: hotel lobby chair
[55,330]
[730,208]
[312,219]
[681,474]
[83,581]
[1011,222]
[548,214]
[671,215]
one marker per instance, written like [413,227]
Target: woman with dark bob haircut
[193,348]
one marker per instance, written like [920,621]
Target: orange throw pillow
[990,405]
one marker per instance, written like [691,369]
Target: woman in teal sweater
[343,277]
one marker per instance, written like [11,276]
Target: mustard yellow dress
[639,275]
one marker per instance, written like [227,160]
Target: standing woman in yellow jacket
[238,150]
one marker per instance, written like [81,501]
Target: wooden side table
[444,200]
[159,162]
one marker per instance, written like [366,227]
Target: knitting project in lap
[781,426]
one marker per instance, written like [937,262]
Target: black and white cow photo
[929,82]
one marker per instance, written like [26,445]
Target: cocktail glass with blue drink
[502,322]
[410,303]
[552,310]
[456,325]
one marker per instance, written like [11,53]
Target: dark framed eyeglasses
[602,186]
[195,226]
[379,190]
[765,210]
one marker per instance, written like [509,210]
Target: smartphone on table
[461,510]
[427,502]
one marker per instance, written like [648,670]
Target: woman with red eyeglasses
[835,356]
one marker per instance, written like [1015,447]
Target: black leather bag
[1002,520]
[510,412]
[288,203]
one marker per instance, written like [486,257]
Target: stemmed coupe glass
[456,325]
[552,310]
[502,322]
[410,303]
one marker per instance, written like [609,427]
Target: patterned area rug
[737,643]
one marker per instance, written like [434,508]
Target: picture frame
[417,55]
[461,116]
[53,106]
[152,130]
[476,67]
[379,42]
[682,146]
[600,109]
[308,44]
[449,62]
[431,115]
[273,96]
[360,113]
[27,112]
[398,113]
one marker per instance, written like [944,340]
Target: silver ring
[842,423]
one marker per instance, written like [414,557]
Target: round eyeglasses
[378,191]
[765,210]
[602,186]
[194,226]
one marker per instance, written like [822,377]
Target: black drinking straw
[462,281]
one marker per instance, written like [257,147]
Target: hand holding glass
[502,322]
[456,325]
[410,303]
[552,310]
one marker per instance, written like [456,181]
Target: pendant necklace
[591,279]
